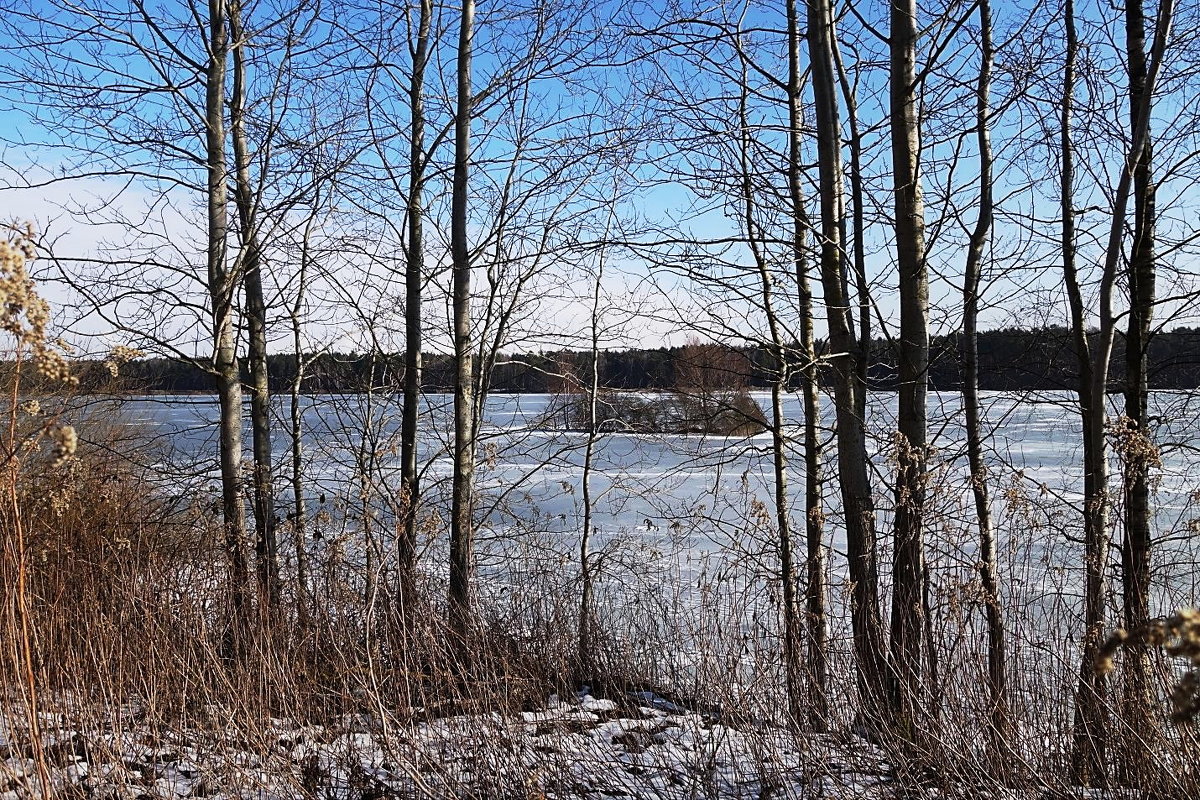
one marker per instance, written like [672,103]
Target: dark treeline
[1009,360]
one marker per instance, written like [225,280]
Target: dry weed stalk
[1179,636]
[120,590]
[25,317]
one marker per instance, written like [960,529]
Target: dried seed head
[1179,636]
[119,357]
[23,313]
[66,442]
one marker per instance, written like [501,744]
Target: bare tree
[587,580]
[845,368]
[250,269]
[1089,711]
[988,568]
[816,556]
[299,512]
[908,568]
[759,271]
[222,285]
[462,515]
[177,123]
[522,195]
[780,372]
[414,280]
[1091,717]
[1140,452]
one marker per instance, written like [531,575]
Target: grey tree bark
[462,531]
[816,557]
[844,358]
[909,656]
[250,268]
[1139,450]
[779,376]
[414,275]
[222,287]
[296,418]
[1092,710]
[988,578]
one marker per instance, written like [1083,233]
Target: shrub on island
[725,412]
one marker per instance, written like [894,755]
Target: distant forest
[1009,360]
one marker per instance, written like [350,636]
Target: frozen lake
[702,491]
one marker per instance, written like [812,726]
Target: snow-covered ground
[582,747]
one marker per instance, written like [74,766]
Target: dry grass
[124,669]
[131,630]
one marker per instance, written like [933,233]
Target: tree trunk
[413,281]
[266,545]
[908,570]
[997,674]
[462,512]
[366,468]
[792,622]
[1139,450]
[792,628]
[222,290]
[296,413]
[858,194]
[816,559]
[853,475]
[586,646]
[1091,717]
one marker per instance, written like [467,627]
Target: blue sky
[677,97]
